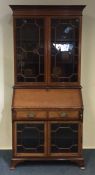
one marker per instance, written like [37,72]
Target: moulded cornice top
[28,10]
[64,7]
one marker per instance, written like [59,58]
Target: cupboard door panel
[30,138]
[64,138]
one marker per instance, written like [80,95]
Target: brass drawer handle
[63,114]
[31,115]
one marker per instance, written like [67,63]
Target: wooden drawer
[30,115]
[64,115]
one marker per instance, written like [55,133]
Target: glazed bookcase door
[65,41]
[30,138]
[29,46]
[64,138]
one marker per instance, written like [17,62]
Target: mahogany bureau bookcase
[47,107]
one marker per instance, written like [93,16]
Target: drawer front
[31,115]
[64,115]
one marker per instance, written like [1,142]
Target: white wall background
[87,72]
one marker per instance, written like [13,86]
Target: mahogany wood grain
[47,102]
[52,98]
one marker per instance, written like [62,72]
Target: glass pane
[64,50]
[64,138]
[30,137]
[30,50]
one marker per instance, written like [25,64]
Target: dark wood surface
[50,102]
[47,9]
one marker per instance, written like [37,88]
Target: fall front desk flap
[51,98]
